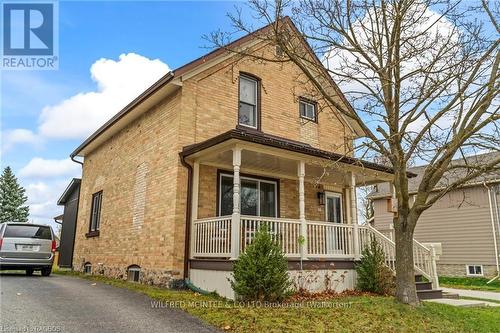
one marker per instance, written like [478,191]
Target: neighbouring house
[465,222]
[69,199]
[175,185]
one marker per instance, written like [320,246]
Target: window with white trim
[258,197]
[248,109]
[307,110]
[475,270]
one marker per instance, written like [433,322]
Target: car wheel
[29,272]
[46,271]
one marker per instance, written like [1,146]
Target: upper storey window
[248,114]
[307,110]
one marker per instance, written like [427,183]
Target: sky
[109,52]
[45,115]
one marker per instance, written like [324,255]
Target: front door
[333,214]
[333,207]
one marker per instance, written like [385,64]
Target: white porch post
[301,172]
[354,216]
[235,219]
[194,203]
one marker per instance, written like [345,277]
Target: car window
[27,231]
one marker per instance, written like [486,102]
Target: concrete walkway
[474,293]
[462,302]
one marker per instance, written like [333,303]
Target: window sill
[91,234]
[309,119]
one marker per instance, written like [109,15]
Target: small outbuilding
[69,199]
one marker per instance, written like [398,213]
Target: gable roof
[383,189]
[72,187]
[167,79]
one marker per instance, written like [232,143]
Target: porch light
[321,198]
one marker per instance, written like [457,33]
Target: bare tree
[365,205]
[423,74]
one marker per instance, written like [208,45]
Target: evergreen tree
[261,272]
[12,199]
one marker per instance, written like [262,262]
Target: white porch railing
[285,232]
[328,239]
[212,238]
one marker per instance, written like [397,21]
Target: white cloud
[10,138]
[45,168]
[118,83]
[429,33]
[42,200]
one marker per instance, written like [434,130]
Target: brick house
[175,184]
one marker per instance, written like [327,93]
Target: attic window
[279,51]
[307,109]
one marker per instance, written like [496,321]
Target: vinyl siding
[460,221]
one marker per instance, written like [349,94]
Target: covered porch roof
[269,154]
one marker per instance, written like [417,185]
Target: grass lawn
[472,283]
[349,314]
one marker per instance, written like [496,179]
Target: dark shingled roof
[449,177]
[255,136]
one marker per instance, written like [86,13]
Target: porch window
[258,197]
[248,109]
[307,109]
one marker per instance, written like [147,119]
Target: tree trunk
[405,274]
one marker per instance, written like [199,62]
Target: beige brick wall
[213,104]
[118,169]
[145,186]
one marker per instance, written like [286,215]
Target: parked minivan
[25,246]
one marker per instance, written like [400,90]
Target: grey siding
[460,221]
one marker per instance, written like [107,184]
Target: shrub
[261,272]
[373,275]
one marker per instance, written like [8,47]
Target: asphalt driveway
[69,304]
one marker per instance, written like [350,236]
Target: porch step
[423,285]
[429,294]
[449,295]
[424,289]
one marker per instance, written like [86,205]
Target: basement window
[474,270]
[87,268]
[133,273]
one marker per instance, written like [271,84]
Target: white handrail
[424,259]
[212,238]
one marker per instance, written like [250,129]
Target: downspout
[494,233]
[188,217]
[76,161]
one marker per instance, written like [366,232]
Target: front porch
[306,197]
[214,237]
